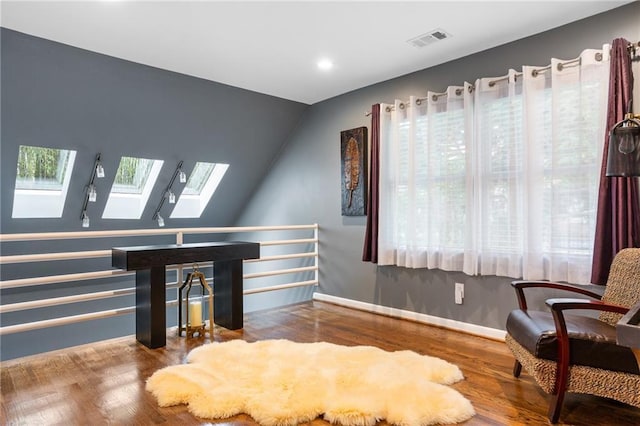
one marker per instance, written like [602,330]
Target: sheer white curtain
[499,178]
[497,207]
[568,115]
[424,181]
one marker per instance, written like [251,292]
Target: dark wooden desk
[150,263]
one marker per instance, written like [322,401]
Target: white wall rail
[298,249]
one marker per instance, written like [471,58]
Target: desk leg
[227,288]
[636,352]
[151,308]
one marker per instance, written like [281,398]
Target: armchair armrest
[628,330]
[519,287]
[558,306]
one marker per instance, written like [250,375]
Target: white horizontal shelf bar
[55,301]
[35,325]
[87,234]
[281,257]
[86,297]
[54,322]
[280,287]
[64,300]
[298,241]
[147,232]
[279,272]
[42,257]
[51,279]
[247,229]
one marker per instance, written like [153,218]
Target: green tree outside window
[41,168]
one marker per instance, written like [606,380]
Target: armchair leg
[517,368]
[562,367]
[555,406]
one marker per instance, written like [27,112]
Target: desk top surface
[181,246]
[150,256]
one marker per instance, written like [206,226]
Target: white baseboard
[478,330]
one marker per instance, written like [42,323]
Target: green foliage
[199,177]
[127,171]
[132,174]
[39,164]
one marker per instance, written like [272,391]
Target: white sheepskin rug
[279,382]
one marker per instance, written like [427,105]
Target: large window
[42,180]
[131,188]
[498,178]
[202,183]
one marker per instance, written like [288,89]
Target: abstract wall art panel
[353,170]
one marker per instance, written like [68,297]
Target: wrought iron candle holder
[194,321]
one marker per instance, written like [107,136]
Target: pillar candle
[195,313]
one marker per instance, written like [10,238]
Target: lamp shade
[624,149]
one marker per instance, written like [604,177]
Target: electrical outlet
[459,294]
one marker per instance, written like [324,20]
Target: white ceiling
[273,47]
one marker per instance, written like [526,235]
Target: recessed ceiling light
[325,64]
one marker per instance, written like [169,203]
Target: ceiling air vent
[428,38]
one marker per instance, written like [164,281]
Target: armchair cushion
[592,342]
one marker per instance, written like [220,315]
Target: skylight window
[42,181]
[131,188]
[202,183]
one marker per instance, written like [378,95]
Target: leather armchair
[568,352]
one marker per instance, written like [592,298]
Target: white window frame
[193,205]
[121,205]
[38,202]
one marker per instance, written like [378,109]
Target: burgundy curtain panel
[618,217]
[370,250]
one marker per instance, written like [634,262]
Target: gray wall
[285,168]
[304,185]
[58,96]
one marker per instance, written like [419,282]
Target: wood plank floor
[103,384]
